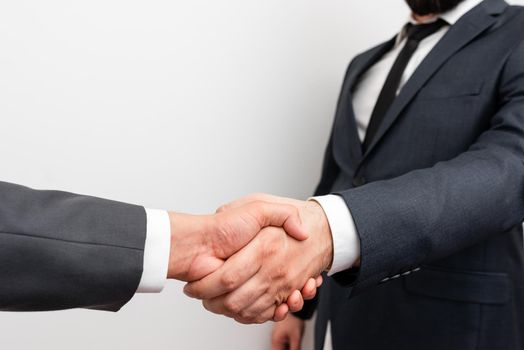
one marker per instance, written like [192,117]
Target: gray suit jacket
[60,250]
[437,199]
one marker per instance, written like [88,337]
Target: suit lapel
[464,31]
[367,60]
[346,143]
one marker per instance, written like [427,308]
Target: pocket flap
[437,91]
[464,286]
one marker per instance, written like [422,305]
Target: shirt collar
[462,8]
[451,17]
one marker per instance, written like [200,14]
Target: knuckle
[207,306]
[280,272]
[228,281]
[232,307]
[310,295]
[246,315]
[298,306]
[259,320]
[243,314]
[241,320]
[273,245]
[281,297]
[287,285]
[294,303]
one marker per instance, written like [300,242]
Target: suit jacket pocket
[462,286]
[451,90]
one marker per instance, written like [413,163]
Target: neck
[422,19]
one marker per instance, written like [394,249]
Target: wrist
[188,240]
[322,232]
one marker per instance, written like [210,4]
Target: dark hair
[426,7]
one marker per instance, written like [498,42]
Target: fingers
[246,302]
[256,316]
[287,335]
[261,318]
[309,290]
[279,340]
[295,301]
[278,215]
[319,281]
[272,211]
[234,273]
[258,312]
[202,268]
[281,312]
[294,342]
[249,303]
[255,312]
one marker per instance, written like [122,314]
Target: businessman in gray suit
[60,250]
[423,189]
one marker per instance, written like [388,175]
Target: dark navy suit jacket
[437,199]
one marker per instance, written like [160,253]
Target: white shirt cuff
[346,243]
[156,252]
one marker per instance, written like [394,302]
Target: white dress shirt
[156,252]
[346,245]
[346,248]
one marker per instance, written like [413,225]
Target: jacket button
[359,181]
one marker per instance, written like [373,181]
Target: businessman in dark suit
[423,189]
[61,250]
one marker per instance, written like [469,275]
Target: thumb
[278,215]
[203,267]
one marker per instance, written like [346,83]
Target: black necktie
[415,34]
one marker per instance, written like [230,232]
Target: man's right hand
[201,244]
[269,269]
[287,335]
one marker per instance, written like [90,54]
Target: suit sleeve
[60,250]
[431,213]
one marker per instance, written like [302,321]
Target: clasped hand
[274,269]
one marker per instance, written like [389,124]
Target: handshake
[256,259]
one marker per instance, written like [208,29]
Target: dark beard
[426,7]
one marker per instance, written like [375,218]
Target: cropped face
[426,7]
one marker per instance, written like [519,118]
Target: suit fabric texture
[437,198]
[60,250]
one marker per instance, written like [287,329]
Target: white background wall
[170,104]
